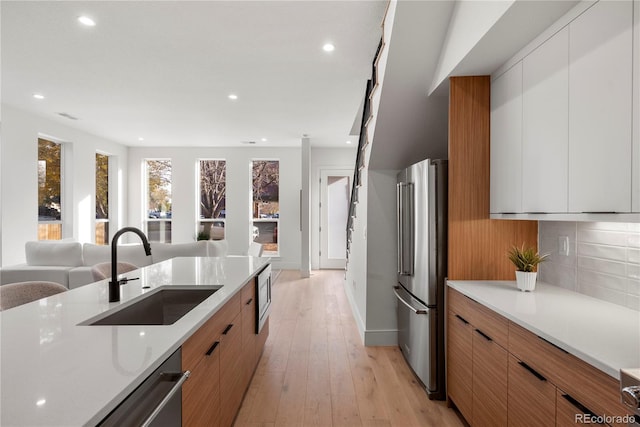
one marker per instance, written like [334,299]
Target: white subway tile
[607,226]
[633,302]
[633,240]
[615,253]
[605,294]
[558,275]
[595,278]
[603,266]
[633,256]
[613,238]
[633,271]
[633,287]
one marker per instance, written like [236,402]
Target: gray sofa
[69,263]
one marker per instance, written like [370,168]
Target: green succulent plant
[203,235]
[525,259]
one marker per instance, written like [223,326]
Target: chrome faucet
[114,284]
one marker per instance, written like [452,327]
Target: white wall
[470,21]
[20,132]
[325,158]
[603,260]
[238,203]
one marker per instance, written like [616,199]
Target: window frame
[199,219]
[146,220]
[107,220]
[63,202]
[276,220]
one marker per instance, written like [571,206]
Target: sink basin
[164,307]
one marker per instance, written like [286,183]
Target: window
[213,192]
[49,190]
[266,206]
[102,199]
[157,223]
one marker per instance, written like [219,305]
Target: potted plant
[526,261]
[203,235]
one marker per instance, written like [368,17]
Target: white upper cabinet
[506,142]
[545,126]
[600,103]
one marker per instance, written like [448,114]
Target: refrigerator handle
[408,261]
[412,308]
[400,230]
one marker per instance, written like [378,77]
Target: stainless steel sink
[163,307]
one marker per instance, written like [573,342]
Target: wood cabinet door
[201,393]
[490,370]
[506,142]
[600,102]
[459,363]
[531,398]
[570,412]
[545,125]
[231,378]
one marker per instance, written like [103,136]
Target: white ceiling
[162,70]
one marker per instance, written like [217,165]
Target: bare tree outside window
[158,200]
[102,199]
[213,192]
[266,204]
[49,190]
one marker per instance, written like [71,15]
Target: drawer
[490,372]
[459,364]
[201,341]
[487,321]
[593,388]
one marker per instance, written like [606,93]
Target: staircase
[366,136]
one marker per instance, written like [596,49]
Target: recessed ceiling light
[141,139]
[41,402]
[264,140]
[348,142]
[85,20]
[233,96]
[38,96]
[328,47]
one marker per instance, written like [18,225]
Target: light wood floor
[315,371]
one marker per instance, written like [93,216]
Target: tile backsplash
[603,259]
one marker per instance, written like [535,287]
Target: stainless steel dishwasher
[157,401]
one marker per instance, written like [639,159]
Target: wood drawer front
[531,399]
[593,388]
[566,412]
[201,394]
[249,291]
[459,364]
[202,340]
[459,303]
[482,318]
[490,371]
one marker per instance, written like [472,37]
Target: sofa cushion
[54,253]
[164,251]
[217,248]
[133,253]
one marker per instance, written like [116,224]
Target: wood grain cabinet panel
[531,399]
[459,366]
[570,412]
[231,378]
[201,393]
[595,389]
[490,371]
[249,336]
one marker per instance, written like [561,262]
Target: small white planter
[526,281]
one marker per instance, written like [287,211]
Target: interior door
[335,193]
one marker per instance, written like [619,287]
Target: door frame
[323,261]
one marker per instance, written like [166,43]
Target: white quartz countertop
[600,333]
[54,372]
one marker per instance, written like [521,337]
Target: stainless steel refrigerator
[422,265]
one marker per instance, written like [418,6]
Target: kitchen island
[56,372]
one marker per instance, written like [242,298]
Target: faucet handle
[125,280]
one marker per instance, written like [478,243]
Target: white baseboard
[381,337]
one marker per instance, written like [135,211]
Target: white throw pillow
[63,254]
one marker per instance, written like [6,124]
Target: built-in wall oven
[263,294]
